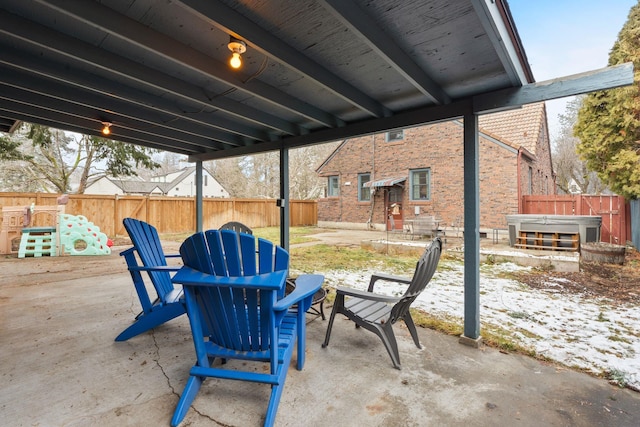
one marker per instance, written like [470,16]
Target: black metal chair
[237,227]
[377,313]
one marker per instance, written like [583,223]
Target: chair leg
[330,325]
[389,340]
[274,401]
[408,320]
[188,394]
[301,336]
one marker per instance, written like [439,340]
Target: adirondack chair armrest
[306,286]
[388,278]
[190,276]
[366,295]
[168,268]
[128,252]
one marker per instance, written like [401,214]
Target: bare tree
[52,159]
[229,173]
[258,176]
[167,163]
[305,183]
[572,175]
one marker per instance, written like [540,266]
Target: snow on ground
[591,334]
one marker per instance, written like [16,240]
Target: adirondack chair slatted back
[146,242]
[234,289]
[236,319]
[169,303]
[425,269]
[226,259]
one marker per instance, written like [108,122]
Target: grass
[324,257]
[492,335]
[296,234]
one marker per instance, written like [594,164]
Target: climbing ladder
[38,241]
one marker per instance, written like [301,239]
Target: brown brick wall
[440,148]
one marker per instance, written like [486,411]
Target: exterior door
[394,208]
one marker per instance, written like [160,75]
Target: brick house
[419,172]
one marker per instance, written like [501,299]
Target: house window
[530,180]
[420,184]
[394,135]
[364,193]
[333,188]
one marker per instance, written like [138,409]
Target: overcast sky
[563,37]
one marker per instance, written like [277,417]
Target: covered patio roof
[314,71]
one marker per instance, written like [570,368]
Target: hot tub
[552,226]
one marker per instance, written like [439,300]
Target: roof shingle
[518,128]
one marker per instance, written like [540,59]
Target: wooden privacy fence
[170,214]
[615,213]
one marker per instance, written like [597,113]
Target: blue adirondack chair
[235,299]
[169,302]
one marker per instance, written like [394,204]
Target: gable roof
[519,128]
[181,175]
[129,185]
[141,187]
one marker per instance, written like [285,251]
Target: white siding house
[176,184]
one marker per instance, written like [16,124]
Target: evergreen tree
[609,121]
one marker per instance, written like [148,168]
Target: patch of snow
[586,333]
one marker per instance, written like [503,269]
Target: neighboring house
[419,172]
[177,184]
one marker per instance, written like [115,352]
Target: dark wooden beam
[356,19]
[407,119]
[576,84]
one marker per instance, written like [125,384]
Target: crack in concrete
[173,391]
[157,360]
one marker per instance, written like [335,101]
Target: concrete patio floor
[61,367]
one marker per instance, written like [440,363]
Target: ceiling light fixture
[106,130]
[237,47]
